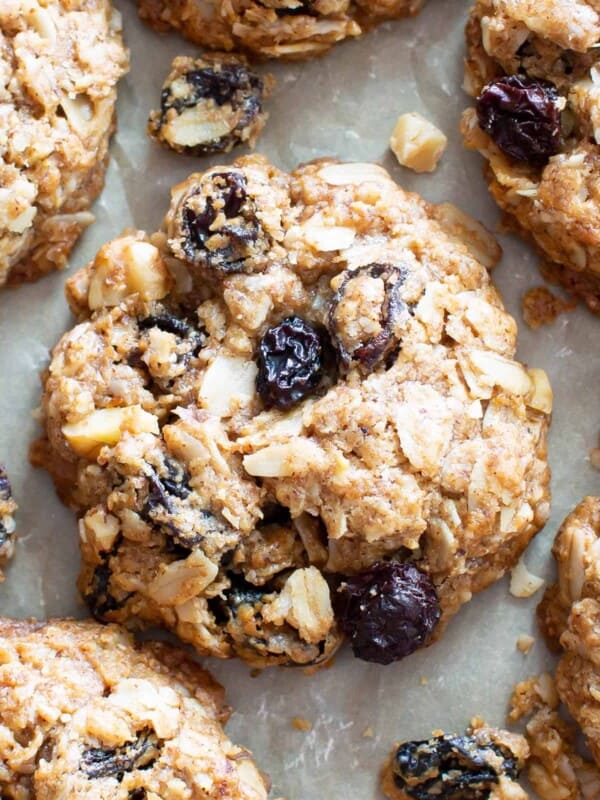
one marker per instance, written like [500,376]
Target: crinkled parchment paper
[346,105]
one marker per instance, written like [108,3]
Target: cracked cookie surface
[299,379]
[87,714]
[534,67]
[59,65]
[7,520]
[290,29]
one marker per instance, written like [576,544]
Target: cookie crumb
[522,582]
[368,732]
[301,724]
[525,642]
[423,680]
[541,307]
[595,457]
[417,143]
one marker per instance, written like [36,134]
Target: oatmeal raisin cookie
[297,401]
[60,61]
[290,29]
[84,713]
[535,70]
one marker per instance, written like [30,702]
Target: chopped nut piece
[417,143]
[522,582]
[106,426]
[525,643]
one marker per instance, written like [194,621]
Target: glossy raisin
[114,762]
[388,611]
[522,116]
[218,224]
[290,363]
[451,768]
[392,316]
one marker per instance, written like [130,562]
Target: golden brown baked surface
[556,204]
[60,61]
[223,482]
[86,714]
[290,29]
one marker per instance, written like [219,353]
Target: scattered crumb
[541,307]
[301,724]
[525,642]
[595,457]
[437,732]
[533,694]
[368,732]
[522,582]
[417,143]
[423,680]
[254,673]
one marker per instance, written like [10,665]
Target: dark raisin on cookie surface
[217,225]
[388,611]
[522,115]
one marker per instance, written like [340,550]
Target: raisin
[392,317]
[225,607]
[522,117]
[388,611]
[99,598]
[218,224]
[186,524]
[167,322]
[201,88]
[451,768]
[192,338]
[97,762]
[290,362]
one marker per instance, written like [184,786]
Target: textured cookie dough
[86,714]
[408,432]
[570,617]
[555,769]
[60,61]
[557,203]
[290,29]
[483,763]
[210,104]
[7,520]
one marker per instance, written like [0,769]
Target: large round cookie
[300,377]
[60,61]
[290,29]
[570,617]
[535,68]
[86,714]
